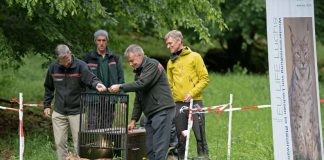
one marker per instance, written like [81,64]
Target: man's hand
[184,133]
[123,105]
[114,88]
[100,87]
[131,125]
[47,112]
[187,98]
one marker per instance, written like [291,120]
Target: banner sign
[295,105]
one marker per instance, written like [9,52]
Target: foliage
[319,19]
[320,66]
[6,53]
[245,39]
[244,19]
[246,34]
[40,25]
[238,69]
[195,14]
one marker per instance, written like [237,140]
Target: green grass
[29,80]
[251,129]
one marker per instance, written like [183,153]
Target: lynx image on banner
[295,106]
[304,113]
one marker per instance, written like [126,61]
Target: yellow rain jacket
[187,74]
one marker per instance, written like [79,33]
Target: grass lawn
[251,129]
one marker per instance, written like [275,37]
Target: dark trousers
[198,127]
[173,136]
[158,128]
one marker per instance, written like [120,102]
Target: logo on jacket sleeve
[112,63]
[92,66]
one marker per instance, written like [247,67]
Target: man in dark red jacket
[66,78]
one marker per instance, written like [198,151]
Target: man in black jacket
[108,68]
[66,78]
[153,98]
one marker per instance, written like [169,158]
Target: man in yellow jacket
[188,76]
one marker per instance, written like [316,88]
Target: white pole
[188,129]
[229,129]
[21,130]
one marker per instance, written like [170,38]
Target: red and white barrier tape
[26,104]
[206,109]
[33,105]
[8,108]
[21,128]
[221,108]
[248,108]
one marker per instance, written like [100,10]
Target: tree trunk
[234,50]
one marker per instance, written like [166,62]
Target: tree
[244,42]
[38,26]
[319,20]
[245,38]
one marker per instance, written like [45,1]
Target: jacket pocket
[59,82]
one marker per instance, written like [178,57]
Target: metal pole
[229,129]
[21,130]
[188,129]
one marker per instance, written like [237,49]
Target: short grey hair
[175,34]
[61,50]
[134,48]
[100,32]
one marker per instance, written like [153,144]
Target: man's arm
[170,76]
[137,110]
[120,72]
[148,77]
[136,114]
[202,73]
[49,93]
[90,79]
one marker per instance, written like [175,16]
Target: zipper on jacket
[65,83]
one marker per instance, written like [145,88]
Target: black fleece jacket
[153,93]
[67,84]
